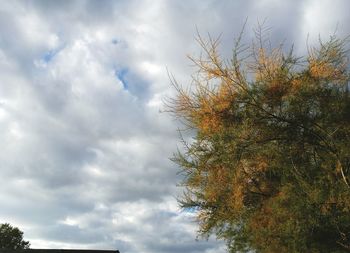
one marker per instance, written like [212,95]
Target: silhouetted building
[57,251]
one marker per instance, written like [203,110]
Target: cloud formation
[84,162]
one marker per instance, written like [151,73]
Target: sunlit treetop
[269,167]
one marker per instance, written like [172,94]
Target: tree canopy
[268,169]
[12,238]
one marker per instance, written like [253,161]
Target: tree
[268,169]
[12,238]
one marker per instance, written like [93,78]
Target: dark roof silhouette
[57,251]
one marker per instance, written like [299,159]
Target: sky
[85,141]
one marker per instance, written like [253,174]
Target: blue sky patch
[190,210]
[49,55]
[121,75]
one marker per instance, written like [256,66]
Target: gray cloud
[85,151]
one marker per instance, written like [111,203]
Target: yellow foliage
[213,72]
[217,182]
[296,84]
[264,167]
[223,99]
[326,68]
[237,198]
[208,115]
[268,65]
[322,69]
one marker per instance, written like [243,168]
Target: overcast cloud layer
[84,159]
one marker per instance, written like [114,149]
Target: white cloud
[324,18]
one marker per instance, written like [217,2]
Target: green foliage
[12,238]
[269,167]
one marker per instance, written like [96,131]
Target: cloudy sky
[84,159]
